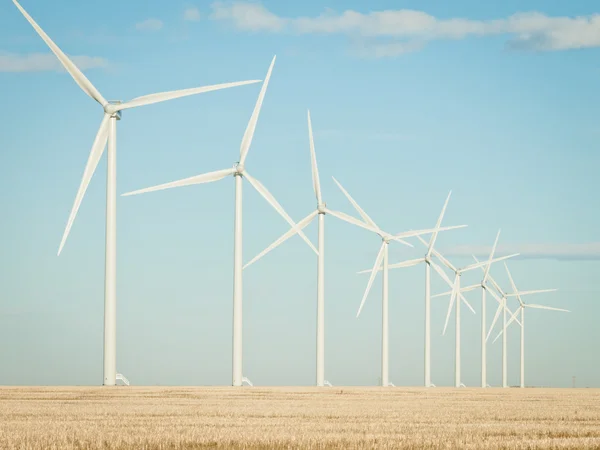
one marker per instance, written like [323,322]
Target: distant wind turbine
[108,132]
[321,211]
[381,263]
[502,308]
[238,171]
[428,264]
[456,292]
[521,309]
[484,289]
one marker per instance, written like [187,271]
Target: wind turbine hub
[321,207]
[239,169]
[111,109]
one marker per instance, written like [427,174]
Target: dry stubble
[276,418]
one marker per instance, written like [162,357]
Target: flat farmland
[280,418]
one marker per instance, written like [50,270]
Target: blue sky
[408,102]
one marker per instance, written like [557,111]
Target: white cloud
[410,30]
[40,62]
[149,25]
[563,252]
[369,49]
[191,14]
[248,16]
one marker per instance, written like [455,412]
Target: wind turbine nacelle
[112,110]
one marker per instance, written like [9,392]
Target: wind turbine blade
[313,161]
[511,320]
[514,286]
[491,280]
[539,291]
[513,316]
[301,225]
[445,261]
[90,167]
[442,274]
[249,133]
[495,286]
[529,305]
[262,190]
[372,277]
[408,263]
[462,297]
[486,270]
[498,336]
[452,297]
[172,95]
[437,225]
[197,179]
[438,255]
[370,270]
[363,214]
[413,233]
[496,296]
[73,70]
[481,264]
[470,288]
[443,294]
[466,302]
[397,239]
[496,316]
[347,218]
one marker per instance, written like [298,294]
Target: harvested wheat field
[277,418]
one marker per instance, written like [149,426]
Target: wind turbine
[321,211]
[503,308]
[521,309]
[238,171]
[428,264]
[382,259]
[485,334]
[456,291]
[108,132]
[484,289]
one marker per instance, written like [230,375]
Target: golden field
[155,418]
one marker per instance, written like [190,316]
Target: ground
[276,418]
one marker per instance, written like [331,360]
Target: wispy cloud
[561,252]
[149,25]
[409,30]
[41,62]
[191,14]
[248,16]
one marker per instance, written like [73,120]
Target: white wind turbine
[238,171]
[502,308]
[485,334]
[456,291]
[521,309]
[321,211]
[484,289]
[381,263]
[428,264]
[108,132]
